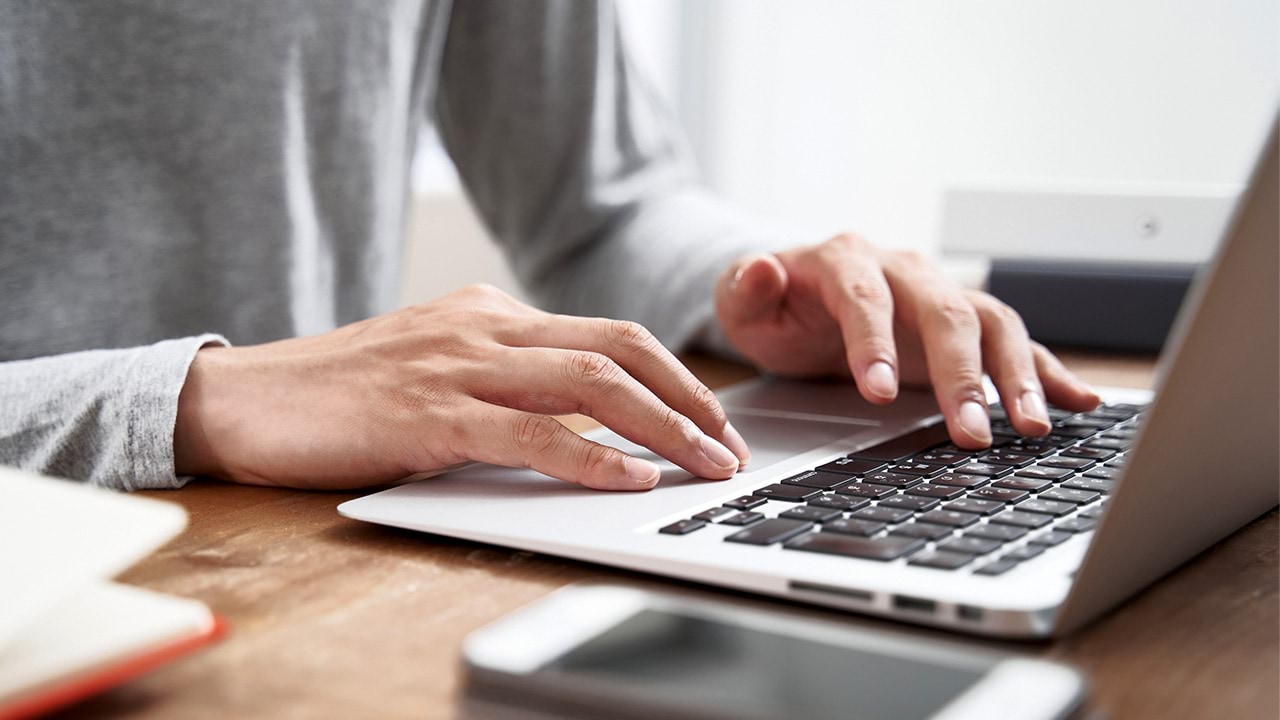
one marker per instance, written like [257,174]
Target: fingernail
[975,422]
[718,454]
[641,472]
[1032,406]
[734,441]
[880,381]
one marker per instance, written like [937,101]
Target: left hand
[845,307]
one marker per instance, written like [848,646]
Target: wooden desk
[335,618]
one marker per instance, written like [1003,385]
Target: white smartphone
[614,652]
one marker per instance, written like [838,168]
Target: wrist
[193,451]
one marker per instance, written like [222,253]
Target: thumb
[751,289]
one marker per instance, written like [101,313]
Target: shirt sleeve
[105,417]
[580,174]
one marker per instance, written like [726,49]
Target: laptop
[871,510]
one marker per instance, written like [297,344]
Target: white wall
[856,114]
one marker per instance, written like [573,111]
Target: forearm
[105,416]
[658,266]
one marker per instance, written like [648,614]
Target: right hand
[474,375]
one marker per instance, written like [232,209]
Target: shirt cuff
[157,377]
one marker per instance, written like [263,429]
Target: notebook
[66,630]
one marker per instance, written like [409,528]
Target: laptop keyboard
[921,498]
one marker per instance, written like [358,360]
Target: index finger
[856,293]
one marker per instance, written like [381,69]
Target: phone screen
[696,663]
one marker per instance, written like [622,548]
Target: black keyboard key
[1114,412]
[1004,457]
[925,531]
[1035,448]
[999,567]
[854,526]
[1091,484]
[715,514]
[1084,421]
[1123,433]
[1021,519]
[942,457]
[1051,538]
[941,560]
[992,531]
[882,549]
[1068,495]
[1088,452]
[984,469]
[844,503]
[942,492]
[952,518]
[820,480]
[851,466]
[1045,507]
[1004,428]
[1109,443]
[883,514]
[908,502]
[960,480]
[789,493]
[810,513]
[746,502]
[1066,463]
[1025,484]
[1043,473]
[1104,473]
[970,545]
[892,479]
[903,447]
[1076,433]
[864,490]
[744,518]
[974,505]
[996,494]
[770,532]
[957,450]
[1092,513]
[1026,552]
[1118,462]
[683,527]
[1076,525]
[921,469]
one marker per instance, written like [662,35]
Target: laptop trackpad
[771,439]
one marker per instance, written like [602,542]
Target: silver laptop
[871,510]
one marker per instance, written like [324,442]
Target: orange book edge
[97,681]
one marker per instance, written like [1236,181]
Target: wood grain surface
[333,618]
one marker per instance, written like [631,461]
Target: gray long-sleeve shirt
[177,172]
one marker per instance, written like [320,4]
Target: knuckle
[955,312]
[868,290]
[595,457]
[671,422]
[705,402]
[628,334]
[967,381]
[592,369]
[535,434]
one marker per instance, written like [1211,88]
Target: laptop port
[969,612]
[914,604]
[845,593]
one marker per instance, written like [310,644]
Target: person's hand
[845,307]
[474,375]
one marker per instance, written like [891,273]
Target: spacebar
[887,548]
[905,446]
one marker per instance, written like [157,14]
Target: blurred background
[833,115]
